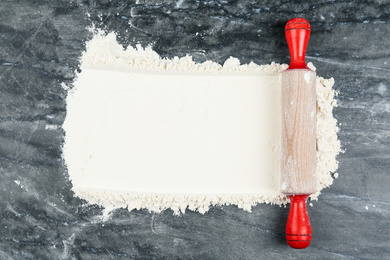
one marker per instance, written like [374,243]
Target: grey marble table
[40,43]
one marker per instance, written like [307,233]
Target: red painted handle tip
[298,229]
[297,23]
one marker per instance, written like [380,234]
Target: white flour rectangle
[146,132]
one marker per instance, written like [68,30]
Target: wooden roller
[298,134]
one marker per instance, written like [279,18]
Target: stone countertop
[40,43]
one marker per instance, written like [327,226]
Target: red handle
[298,229]
[297,32]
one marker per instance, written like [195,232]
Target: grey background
[40,43]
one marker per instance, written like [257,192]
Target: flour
[147,132]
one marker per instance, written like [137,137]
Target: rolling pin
[298,134]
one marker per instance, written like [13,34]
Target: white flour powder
[146,132]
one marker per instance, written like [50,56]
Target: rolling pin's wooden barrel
[298,139]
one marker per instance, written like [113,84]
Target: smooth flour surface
[146,132]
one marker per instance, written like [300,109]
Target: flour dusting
[126,105]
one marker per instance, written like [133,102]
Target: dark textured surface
[40,42]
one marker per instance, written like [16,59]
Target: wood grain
[298,131]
